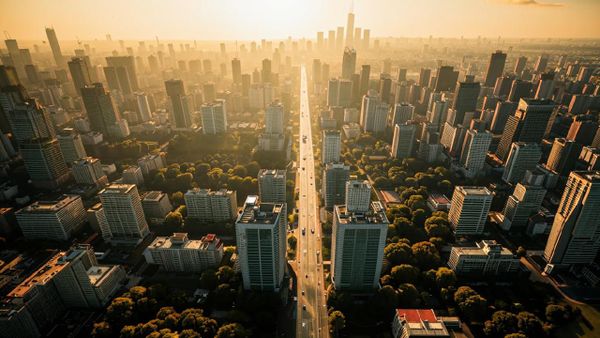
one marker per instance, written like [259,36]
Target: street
[312,312]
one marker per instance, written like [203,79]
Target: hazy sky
[255,19]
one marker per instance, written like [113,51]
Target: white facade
[52,220]
[358,196]
[124,213]
[488,258]
[274,123]
[522,157]
[211,206]
[71,145]
[179,253]
[403,141]
[474,151]
[271,185]
[469,210]
[89,171]
[214,117]
[332,143]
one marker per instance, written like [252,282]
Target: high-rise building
[522,157]
[348,63]
[332,142]
[211,206]
[124,213]
[385,87]
[469,210]
[402,113]
[45,163]
[575,234]
[358,195]
[71,145]
[339,92]
[266,73]
[403,141]
[125,69]
[271,185]
[563,156]
[274,116]
[520,89]
[260,237]
[495,68]
[365,73]
[156,206]
[465,100]
[524,202]
[181,107]
[80,73]
[357,246]
[474,151]
[55,46]
[181,254]
[545,86]
[527,124]
[503,85]
[55,220]
[520,65]
[143,105]
[487,258]
[583,130]
[88,170]
[373,113]
[214,117]
[439,112]
[350,31]
[335,176]
[541,63]
[101,109]
[503,110]
[446,78]
[236,71]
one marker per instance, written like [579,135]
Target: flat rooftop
[255,212]
[119,188]
[375,215]
[272,172]
[421,323]
[474,190]
[49,206]
[153,195]
[40,276]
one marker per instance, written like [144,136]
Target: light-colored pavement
[312,312]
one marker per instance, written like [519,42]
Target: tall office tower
[89,171]
[465,100]
[424,77]
[357,37]
[402,113]
[503,110]
[320,41]
[474,151]
[528,124]
[331,39]
[53,41]
[583,130]
[14,56]
[265,72]
[522,157]
[335,176]
[179,253]
[143,106]
[118,80]
[44,162]
[520,65]
[495,68]
[541,64]
[71,145]
[332,140]
[339,38]
[355,84]
[80,73]
[125,65]
[575,234]
[403,142]
[446,78]
[469,210]
[101,109]
[348,63]
[274,118]
[520,89]
[563,156]
[358,195]
[260,236]
[271,185]
[545,86]
[236,70]
[29,121]
[357,246]
[350,31]
[373,113]
[580,103]
[524,202]
[55,220]
[211,206]
[503,85]
[366,38]
[316,71]
[402,75]
[385,87]
[365,73]
[208,92]
[181,107]
[439,112]
[124,214]
[339,93]
[214,117]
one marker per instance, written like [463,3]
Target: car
[312,231]
[305,251]
[303,292]
[306,276]
[303,231]
[318,252]
[304,307]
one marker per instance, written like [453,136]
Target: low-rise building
[156,206]
[52,220]
[487,258]
[179,253]
[410,323]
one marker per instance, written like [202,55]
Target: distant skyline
[278,19]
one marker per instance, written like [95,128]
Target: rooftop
[259,213]
[483,248]
[180,240]
[473,190]
[421,323]
[118,188]
[40,276]
[49,206]
[375,215]
[153,195]
[272,172]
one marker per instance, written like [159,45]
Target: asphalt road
[312,312]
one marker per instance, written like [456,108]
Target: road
[312,312]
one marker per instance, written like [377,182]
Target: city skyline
[269,19]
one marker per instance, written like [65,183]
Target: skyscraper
[519,89]
[545,86]
[348,63]
[274,118]
[126,72]
[332,140]
[365,73]
[402,113]
[236,71]
[469,210]
[524,202]
[350,31]
[124,213]
[446,79]
[266,73]
[181,107]
[358,195]
[56,52]
[563,156]
[79,73]
[335,176]
[522,157]
[495,68]
[575,234]
[520,65]
[71,145]
[214,117]
[55,220]
[527,124]
[29,120]
[465,100]
[89,171]
[101,109]
[143,105]
[260,237]
[373,113]
[271,185]
[403,142]
[474,151]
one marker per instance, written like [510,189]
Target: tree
[189,334]
[381,183]
[225,274]
[398,253]
[463,293]
[530,324]
[240,170]
[292,241]
[445,277]
[208,279]
[120,310]
[174,220]
[474,307]
[177,198]
[418,217]
[224,296]
[426,255]
[194,319]
[408,296]
[184,181]
[234,330]
[337,322]
[102,330]
[556,313]
[521,252]
[502,323]
[517,335]
[405,273]
[385,302]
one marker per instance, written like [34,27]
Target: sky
[277,19]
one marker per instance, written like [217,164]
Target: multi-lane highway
[312,313]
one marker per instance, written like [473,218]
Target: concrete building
[124,213]
[373,113]
[261,244]
[416,323]
[332,144]
[403,141]
[522,157]
[52,220]
[181,254]
[133,175]
[358,195]
[357,246]
[271,185]
[563,156]
[487,258]
[402,113]
[524,202]
[45,163]
[469,210]
[180,103]
[211,206]
[335,176]
[214,117]
[71,145]
[152,162]
[156,205]
[274,118]
[89,171]
[474,151]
